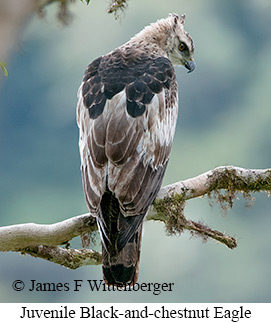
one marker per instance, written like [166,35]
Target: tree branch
[43,240]
[14,14]
[69,258]
[20,236]
[224,177]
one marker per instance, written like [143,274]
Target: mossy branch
[222,182]
[69,258]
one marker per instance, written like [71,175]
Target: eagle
[126,113]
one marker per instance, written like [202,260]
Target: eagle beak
[190,65]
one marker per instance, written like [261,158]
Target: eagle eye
[182,46]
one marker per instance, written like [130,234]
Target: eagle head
[180,47]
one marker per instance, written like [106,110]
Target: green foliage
[117,7]
[87,1]
[3,65]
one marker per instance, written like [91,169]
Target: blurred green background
[224,119]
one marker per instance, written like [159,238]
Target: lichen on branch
[69,258]
[228,182]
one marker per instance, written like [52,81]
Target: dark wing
[127,113]
[142,78]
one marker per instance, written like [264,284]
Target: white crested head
[168,37]
[180,46]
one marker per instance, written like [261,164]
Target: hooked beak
[190,65]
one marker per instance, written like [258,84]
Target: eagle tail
[121,242]
[122,267]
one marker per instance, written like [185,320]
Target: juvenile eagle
[127,112]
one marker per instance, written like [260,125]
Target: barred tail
[122,268]
[121,242]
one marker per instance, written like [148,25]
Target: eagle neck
[154,39]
